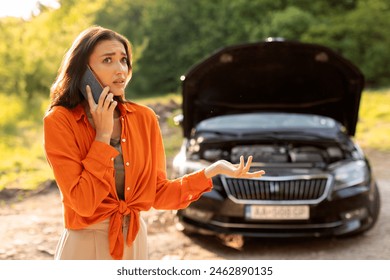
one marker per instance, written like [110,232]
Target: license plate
[278,212]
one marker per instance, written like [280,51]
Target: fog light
[198,214]
[359,213]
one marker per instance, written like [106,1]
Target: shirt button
[112,159]
[123,119]
[128,188]
[127,163]
[123,140]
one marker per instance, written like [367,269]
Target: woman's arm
[83,173]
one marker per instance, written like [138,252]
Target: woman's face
[109,63]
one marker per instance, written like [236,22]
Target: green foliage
[11,56]
[22,162]
[290,23]
[362,35]
[168,36]
[31,51]
[179,35]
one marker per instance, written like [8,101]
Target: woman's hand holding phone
[102,114]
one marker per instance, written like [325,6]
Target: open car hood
[272,76]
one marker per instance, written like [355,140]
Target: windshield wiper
[287,135]
[216,132]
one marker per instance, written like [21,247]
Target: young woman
[108,157]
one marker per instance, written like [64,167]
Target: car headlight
[192,166]
[350,174]
[182,165]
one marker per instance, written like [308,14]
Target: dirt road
[30,230]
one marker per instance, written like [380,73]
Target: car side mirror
[178,119]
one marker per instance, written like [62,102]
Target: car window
[266,121]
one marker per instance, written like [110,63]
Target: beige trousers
[92,243]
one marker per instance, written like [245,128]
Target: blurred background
[168,36]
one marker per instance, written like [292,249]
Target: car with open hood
[294,107]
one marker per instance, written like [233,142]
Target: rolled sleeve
[179,193]
[197,184]
[100,157]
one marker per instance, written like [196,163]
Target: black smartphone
[90,79]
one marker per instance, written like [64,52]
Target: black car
[294,107]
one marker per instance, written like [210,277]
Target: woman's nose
[121,68]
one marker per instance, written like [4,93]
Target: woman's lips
[119,82]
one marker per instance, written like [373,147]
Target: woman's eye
[124,59]
[107,60]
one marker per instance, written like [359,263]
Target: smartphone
[90,79]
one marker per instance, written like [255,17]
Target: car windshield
[266,121]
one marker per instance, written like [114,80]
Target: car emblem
[274,187]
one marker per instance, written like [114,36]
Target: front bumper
[346,212]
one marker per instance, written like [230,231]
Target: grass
[23,164]
[159,99]
[373,129]
[173,139]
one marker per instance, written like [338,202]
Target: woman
[108,157]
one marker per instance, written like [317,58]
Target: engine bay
[271,153]
[289,153]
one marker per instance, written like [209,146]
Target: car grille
[305,189]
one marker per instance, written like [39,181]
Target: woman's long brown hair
[65,89]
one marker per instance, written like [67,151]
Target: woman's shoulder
[60,112]
[140,109]
[56,111]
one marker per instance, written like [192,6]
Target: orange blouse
[84,171]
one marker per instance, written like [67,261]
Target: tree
[169,36]
[11,56]
[362,35]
